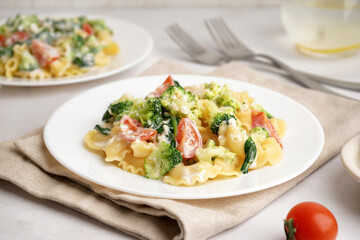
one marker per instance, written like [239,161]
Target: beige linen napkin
[27,163]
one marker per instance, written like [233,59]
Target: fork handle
[320,79]
[298,77]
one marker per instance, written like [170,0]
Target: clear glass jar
[323,27]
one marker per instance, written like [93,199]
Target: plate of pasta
[53,50]
[184,137]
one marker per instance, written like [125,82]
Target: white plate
[350,157]
[135,45]
[65,131]
[267,24]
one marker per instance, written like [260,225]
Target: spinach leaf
[105,131]
[250,154]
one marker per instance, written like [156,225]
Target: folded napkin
[26,163]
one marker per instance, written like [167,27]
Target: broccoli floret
[115,109]
[218,119]
[148,112]
[11,21]
[212,90]
[168,131]
[92,41]
[84,51]
[78,41]
[82,19]
[212,152]
[227,99]
[64,25]
[161,160]
[28,62]
[259,108]
[93,44]
[179,103]
[84,60]
[259,134]
[5,53]
[222,96]
[98,25]
[21,22]
[45,36]
[3,29]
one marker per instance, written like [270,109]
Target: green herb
[250,154]
[105,131]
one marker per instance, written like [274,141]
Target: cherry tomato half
[131,130]
[259,119]
[165,85]
[43,52]
[310,221]
[2,40]
[87,28]
[188,138]
[19,37]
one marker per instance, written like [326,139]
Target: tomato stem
[290,230]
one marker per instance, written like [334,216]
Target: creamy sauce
[174,107]
[162,137]
[101,144]
[254,163]
[115,138]
[184,109]
[34,28]
[189,175]
[232,122]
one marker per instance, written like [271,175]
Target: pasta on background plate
[43,48]
[188,135]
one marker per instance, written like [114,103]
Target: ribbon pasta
[223,149]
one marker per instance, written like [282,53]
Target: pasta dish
[188,135]
[35,48]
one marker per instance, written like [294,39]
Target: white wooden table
[24,109]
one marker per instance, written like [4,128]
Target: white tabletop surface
[24,109]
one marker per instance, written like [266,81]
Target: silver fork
[232,47]
[192,48]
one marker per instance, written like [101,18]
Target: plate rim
[346,162]
[64,81]
[203,196]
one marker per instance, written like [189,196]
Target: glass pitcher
[323,28]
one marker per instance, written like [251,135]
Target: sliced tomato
[43,52]
[2,40]
[19,37]
[87,28]
[165,85]
[131,130]
[188,138]
[259,119]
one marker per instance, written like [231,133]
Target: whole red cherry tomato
[310,221]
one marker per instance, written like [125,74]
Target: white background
[24,109]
